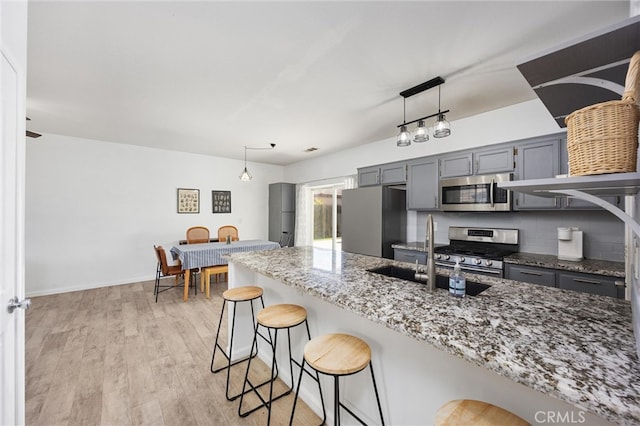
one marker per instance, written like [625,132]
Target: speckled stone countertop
[587,266]
[574,346]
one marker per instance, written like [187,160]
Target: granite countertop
[587,266]
[575,346]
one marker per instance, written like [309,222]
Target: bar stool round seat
[236,295]
[275,318]
[478,413]
[337,355]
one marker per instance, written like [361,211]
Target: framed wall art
[188,200]
[221,201]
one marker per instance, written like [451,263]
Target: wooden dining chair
[230,230]
[197,235]
[165,270]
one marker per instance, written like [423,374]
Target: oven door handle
[471,268]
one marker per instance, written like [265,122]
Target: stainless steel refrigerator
[373,218]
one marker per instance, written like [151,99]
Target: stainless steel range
[479,250]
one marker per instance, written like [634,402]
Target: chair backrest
[162,259]
[230,230]
[197,234]
[285,239]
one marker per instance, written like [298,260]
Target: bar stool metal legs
[235,296]
[276,317]
[338,355]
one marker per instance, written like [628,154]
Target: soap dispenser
[457,282]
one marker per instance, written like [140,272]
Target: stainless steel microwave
[475,193]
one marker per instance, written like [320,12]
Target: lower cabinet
[586,283]
[410,256]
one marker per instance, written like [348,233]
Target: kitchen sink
[472,288]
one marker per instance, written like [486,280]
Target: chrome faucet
[430,275]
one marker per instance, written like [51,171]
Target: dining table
[194,256]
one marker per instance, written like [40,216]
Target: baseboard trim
[58,290]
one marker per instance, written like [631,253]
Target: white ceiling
[211,77]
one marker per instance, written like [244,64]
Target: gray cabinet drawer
[593,284]
[410,256]
[531,274]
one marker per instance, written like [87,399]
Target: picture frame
[188,200]
[221,201]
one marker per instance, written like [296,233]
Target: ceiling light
[404,137]
[422,132]
[245,176]
[441,129]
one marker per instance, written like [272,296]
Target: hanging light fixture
[245,176]
[442,128]
[422,133]
[404,137]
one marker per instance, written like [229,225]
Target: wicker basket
[603,138]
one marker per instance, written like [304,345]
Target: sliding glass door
[327,211]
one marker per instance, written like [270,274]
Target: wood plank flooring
[112,356]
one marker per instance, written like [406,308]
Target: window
[327,210]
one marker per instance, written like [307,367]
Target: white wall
[95,209]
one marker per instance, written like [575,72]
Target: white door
[11,241]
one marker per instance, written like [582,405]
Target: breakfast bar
[548,355]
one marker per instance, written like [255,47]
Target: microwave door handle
[491,192]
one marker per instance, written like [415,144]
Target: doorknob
[15,303]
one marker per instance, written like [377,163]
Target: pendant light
[442,128]
[422,133]
[404,137]
[245,176]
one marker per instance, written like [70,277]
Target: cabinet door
[369,176]
[588,283]
[537,160]
[393,173]
[410,256]
[530,274]
[499,160]
[422,184]
[459,164]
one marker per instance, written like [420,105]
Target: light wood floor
[112,356]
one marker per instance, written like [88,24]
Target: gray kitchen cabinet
[393,173]
[537,159]
[282,207]
[495,160]
[531,274]
[422,184]
[593,284]
[410,256]
[456,164]
[368,176]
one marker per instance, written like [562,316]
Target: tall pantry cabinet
[282,210]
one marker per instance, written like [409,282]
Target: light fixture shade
[422,133]
[245,176]
[404,137]
[442,128]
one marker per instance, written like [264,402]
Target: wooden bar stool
[338,355]
[236,295]
[205,276]
[478,413]
[276,317]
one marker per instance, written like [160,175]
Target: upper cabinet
[456,164]
[537,159]
[385,174]
[422,184]
[494,160]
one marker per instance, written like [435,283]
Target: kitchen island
[543,353]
